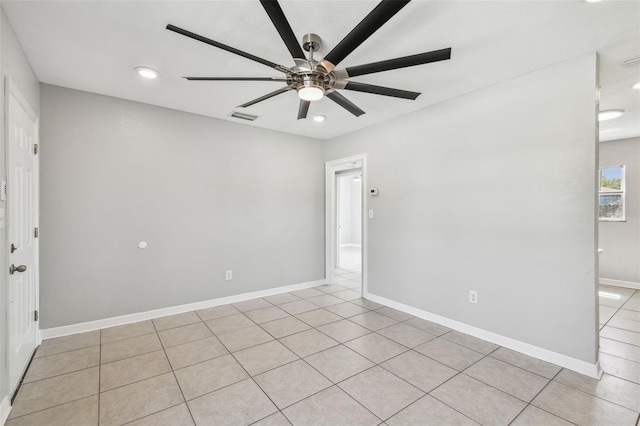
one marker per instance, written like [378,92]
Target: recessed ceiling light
[609,130]
[149,73]
[593,1]
[637,86]
[610,114]
[319,118]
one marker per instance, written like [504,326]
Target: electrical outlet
[228,275]
[473,296]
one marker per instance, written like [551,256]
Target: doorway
[346,227]
[22,233]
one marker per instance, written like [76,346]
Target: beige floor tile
[66,362]
[346,309]
[339,363]
[620,335]
[279,299]
[252,305]
[318,317]
[448,353]
[308,342]
[290,383]
[298,307]
[239,404]
[330,407]
[184,334]
[428,411]
[325,300]
[175,416]
[266,314]
[470,342]
[343,330]
[244,338]
[276,419]
[284,327]
[367,303]
[57,390]
[406,335]
[620,367]
[605,313]
[134,369]
[620,349]
[533,416]
[539,367]
[625,324]
[428,326]
[217,312]
[347,295]
[479,401]
[512,380]
[626,314]
[229,323]
[373,320]
[381,392]
[307,293]
[173,321]
[68,343]
[194,352]
[610,388]
[330,288]
[581,408]
[394,313]
[127,348]
[126,331]
[199,379]
[265,357]
[137,400]
[419,370]
[375,347]
[83,412]
[632,304]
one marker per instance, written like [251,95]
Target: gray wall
[207,195]
[15,66]
[494,191]
[621,240]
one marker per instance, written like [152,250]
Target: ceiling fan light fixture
[319,118]
[147,72]
[310,88]
[610,114]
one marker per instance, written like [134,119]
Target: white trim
[66,330]
[5,409]
[577,365]
[350,245]
[619,283]
[331,167]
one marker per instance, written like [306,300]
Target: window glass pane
[611,179]
[611,206]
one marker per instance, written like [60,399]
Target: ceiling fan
[313,79]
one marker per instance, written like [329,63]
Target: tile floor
[350,259]
[322,356]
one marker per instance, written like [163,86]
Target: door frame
[12,89]
[331,217]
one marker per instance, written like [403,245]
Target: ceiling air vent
[632,62]
[242,116]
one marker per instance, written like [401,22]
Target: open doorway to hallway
[348,269]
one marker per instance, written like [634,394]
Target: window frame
[621,192]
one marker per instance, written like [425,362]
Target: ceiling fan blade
[265,97]
[404,62]
[369,25]
[345,103]
[273,9]
[235,78]
[225,47]
[380,90]
[303,109]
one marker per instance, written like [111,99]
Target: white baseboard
[618,283]
[66,330]
[579,366]
[350,245]
[5,409]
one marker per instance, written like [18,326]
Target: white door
[22,205]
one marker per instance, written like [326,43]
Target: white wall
[207,195]
[621,240]
[15,66]
[350,210]
[494,191]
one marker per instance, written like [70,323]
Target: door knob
[13,269]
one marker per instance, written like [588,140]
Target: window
[611,194]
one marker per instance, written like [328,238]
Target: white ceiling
[95,46]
